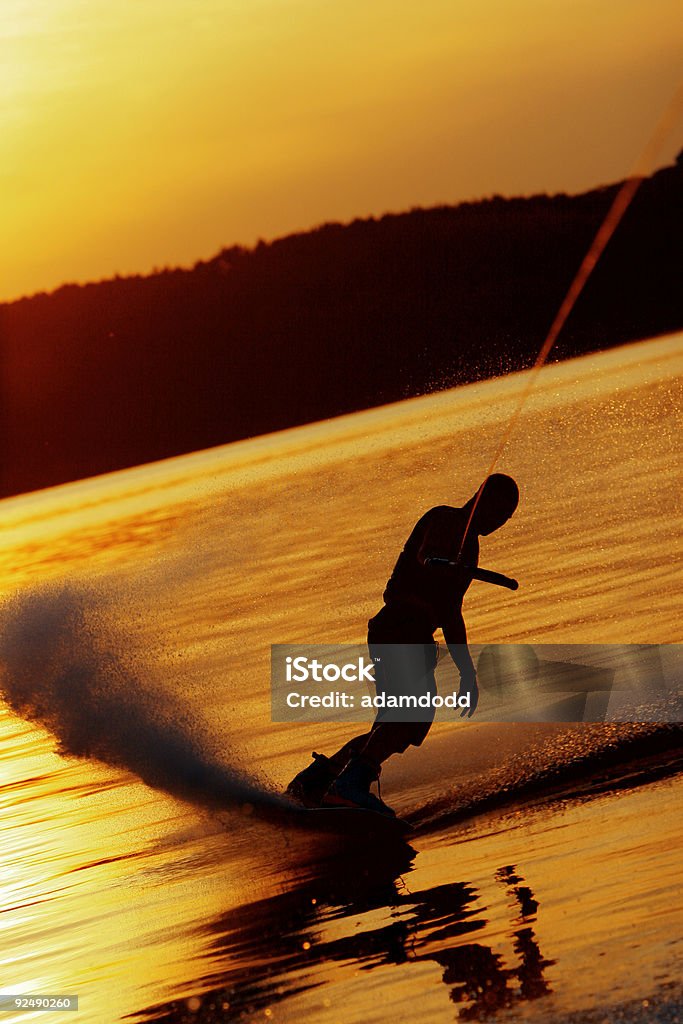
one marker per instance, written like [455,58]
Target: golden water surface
[172,580]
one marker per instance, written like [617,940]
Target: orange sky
[137,133]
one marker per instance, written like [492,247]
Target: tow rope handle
[483,575]
[497,578]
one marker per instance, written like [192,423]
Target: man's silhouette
[425,592]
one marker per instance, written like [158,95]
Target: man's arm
[455,634]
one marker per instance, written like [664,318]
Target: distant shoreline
[109,375]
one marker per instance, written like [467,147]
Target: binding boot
[310,785]
[352,787]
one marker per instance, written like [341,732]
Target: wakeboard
[355,822]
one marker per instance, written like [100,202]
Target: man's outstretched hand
[468,685]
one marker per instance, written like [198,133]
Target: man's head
[496,500]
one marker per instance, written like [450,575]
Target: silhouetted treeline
[107,375]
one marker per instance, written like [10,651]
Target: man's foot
[310,785]
[352,788]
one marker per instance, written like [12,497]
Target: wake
[63,666]
[585,760]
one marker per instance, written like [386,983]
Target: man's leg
[389,738]
[352,747]
[375,746]
[399,670]
[311,784]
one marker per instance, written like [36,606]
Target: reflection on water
[361,915]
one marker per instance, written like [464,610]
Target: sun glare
[154,133]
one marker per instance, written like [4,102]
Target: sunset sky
[142,133]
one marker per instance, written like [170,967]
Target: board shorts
[402,645]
